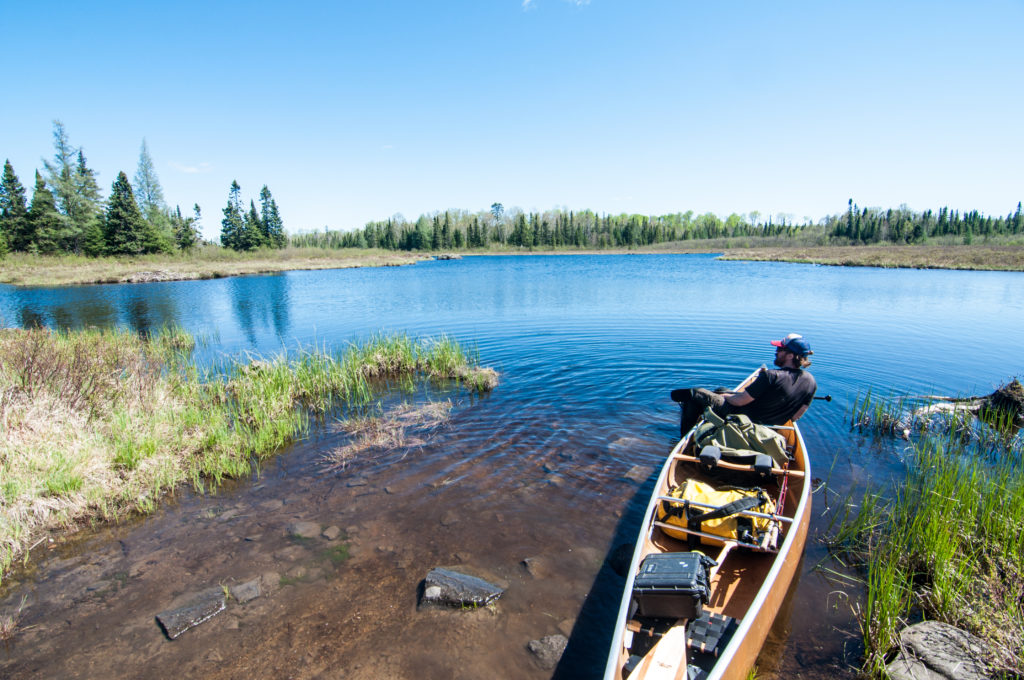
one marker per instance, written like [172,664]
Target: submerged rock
[246,592]
[445,587]
[201,608]
[548,650]
[304,529]
[932,650]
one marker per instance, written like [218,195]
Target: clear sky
[356,111]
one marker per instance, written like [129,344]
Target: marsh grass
[947,545]
[202,263]
[98,424]
[9,622]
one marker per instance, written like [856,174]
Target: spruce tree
[88,218]
[186,229]
[13,209]
[45,223]
[232,226]
[252,233]
[124,228]
[270,219]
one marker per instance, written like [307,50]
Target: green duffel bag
[739,438]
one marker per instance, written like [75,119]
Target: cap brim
[777,343]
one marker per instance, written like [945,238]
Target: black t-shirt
[778,394]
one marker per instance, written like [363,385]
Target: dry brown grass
[403,426]
[978,257]
[208,263]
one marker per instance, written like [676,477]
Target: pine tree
[13,210]
[45,223]
[124,228]
[232,226]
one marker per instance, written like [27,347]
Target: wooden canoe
[747,586]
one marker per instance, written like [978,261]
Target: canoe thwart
[734,466]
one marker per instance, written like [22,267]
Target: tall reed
[947,545]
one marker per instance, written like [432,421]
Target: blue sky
[352,112]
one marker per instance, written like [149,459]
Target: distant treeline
[455,229]
[68,214]
[555,229]
[872,225]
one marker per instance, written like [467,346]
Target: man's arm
[739,398]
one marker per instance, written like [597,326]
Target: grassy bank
[205,263]
[947,544]
[980,257]
[99,424]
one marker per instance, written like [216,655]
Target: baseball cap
[794,343]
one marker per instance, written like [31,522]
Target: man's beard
[779,361]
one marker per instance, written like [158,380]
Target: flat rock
[639,473]
[454,589]
[331,533]
[304,529]
[270,582]
[536,567]
[245,592]
[548,650]
[202,607]
[932,650]
[626,444]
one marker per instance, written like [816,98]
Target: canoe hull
[749,586]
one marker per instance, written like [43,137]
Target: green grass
[948,544]
[98,424]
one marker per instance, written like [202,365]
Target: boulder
[932,650]
[453,589]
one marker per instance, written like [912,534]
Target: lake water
[588,348]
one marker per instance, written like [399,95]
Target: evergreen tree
[233,225]
[13,210]
[149,196]
[270,219]
[61,178]
[186,229]
[124,228]
[45,223]
[88,216]
[252,232]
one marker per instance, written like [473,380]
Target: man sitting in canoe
[775,396]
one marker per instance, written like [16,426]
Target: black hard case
[671,585]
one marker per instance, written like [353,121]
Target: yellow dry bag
[701,507]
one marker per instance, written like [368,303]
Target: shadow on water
[591,637]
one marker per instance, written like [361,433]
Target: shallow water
[588,348]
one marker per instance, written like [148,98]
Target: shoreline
[28,270]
